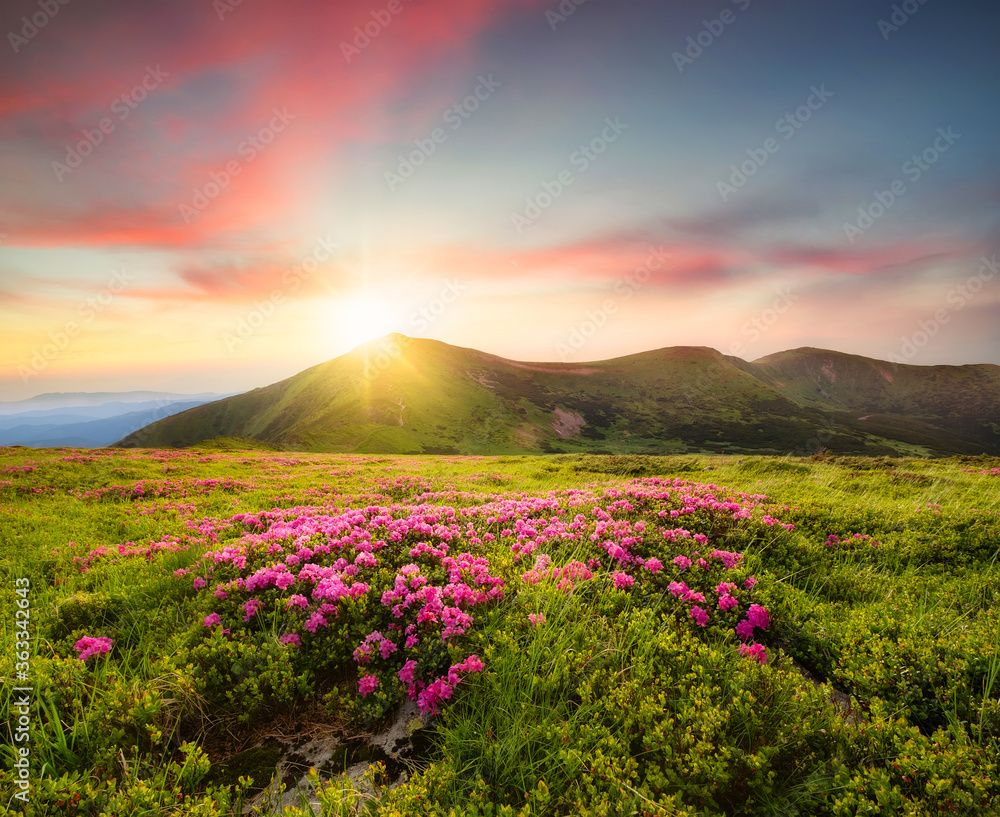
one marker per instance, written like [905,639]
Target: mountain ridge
[404,395]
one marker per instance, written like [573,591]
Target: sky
[213,195]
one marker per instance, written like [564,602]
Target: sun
[361,318]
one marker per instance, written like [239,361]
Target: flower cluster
[424,563]
[88,647]
[179,489]
[850,539]
[423,610]
[429,697]
[990,472]
[130,550]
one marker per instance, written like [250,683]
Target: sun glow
[362,318]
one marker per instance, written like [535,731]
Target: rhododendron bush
[414,575]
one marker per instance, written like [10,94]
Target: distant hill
[403,395]
[87,420]
[77,401]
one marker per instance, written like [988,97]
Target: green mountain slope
[961,400]
[402,395]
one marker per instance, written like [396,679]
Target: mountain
[891,398]
[87,420]
[403,395]
[80,402]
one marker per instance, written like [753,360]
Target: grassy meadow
[574,634]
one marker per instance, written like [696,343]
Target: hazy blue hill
[98,404]
[78,427]
[399,395]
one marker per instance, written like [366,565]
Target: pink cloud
[225,80]
[675,264]
[867,261]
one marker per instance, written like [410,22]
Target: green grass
[615,703]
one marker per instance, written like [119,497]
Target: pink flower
[617,552]
[407,673]
[249,608]
[365,560]
[754,651]
[456,622]
[653,565]
[429,699]
[411,642]
[316,620]
[678,588]
[750,582]
[88,646]
[622,580]
[744,630]
[211,620]
[472,664]
[291,638]
[363,653]
[683,562]
[728,559]
[297,600]
[536,618]
[367,684]
[698,616]
[199,582]
[727,602]
[758,616]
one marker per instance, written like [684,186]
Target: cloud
[225,80]
[590,263]
[734,219]
[903,256]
